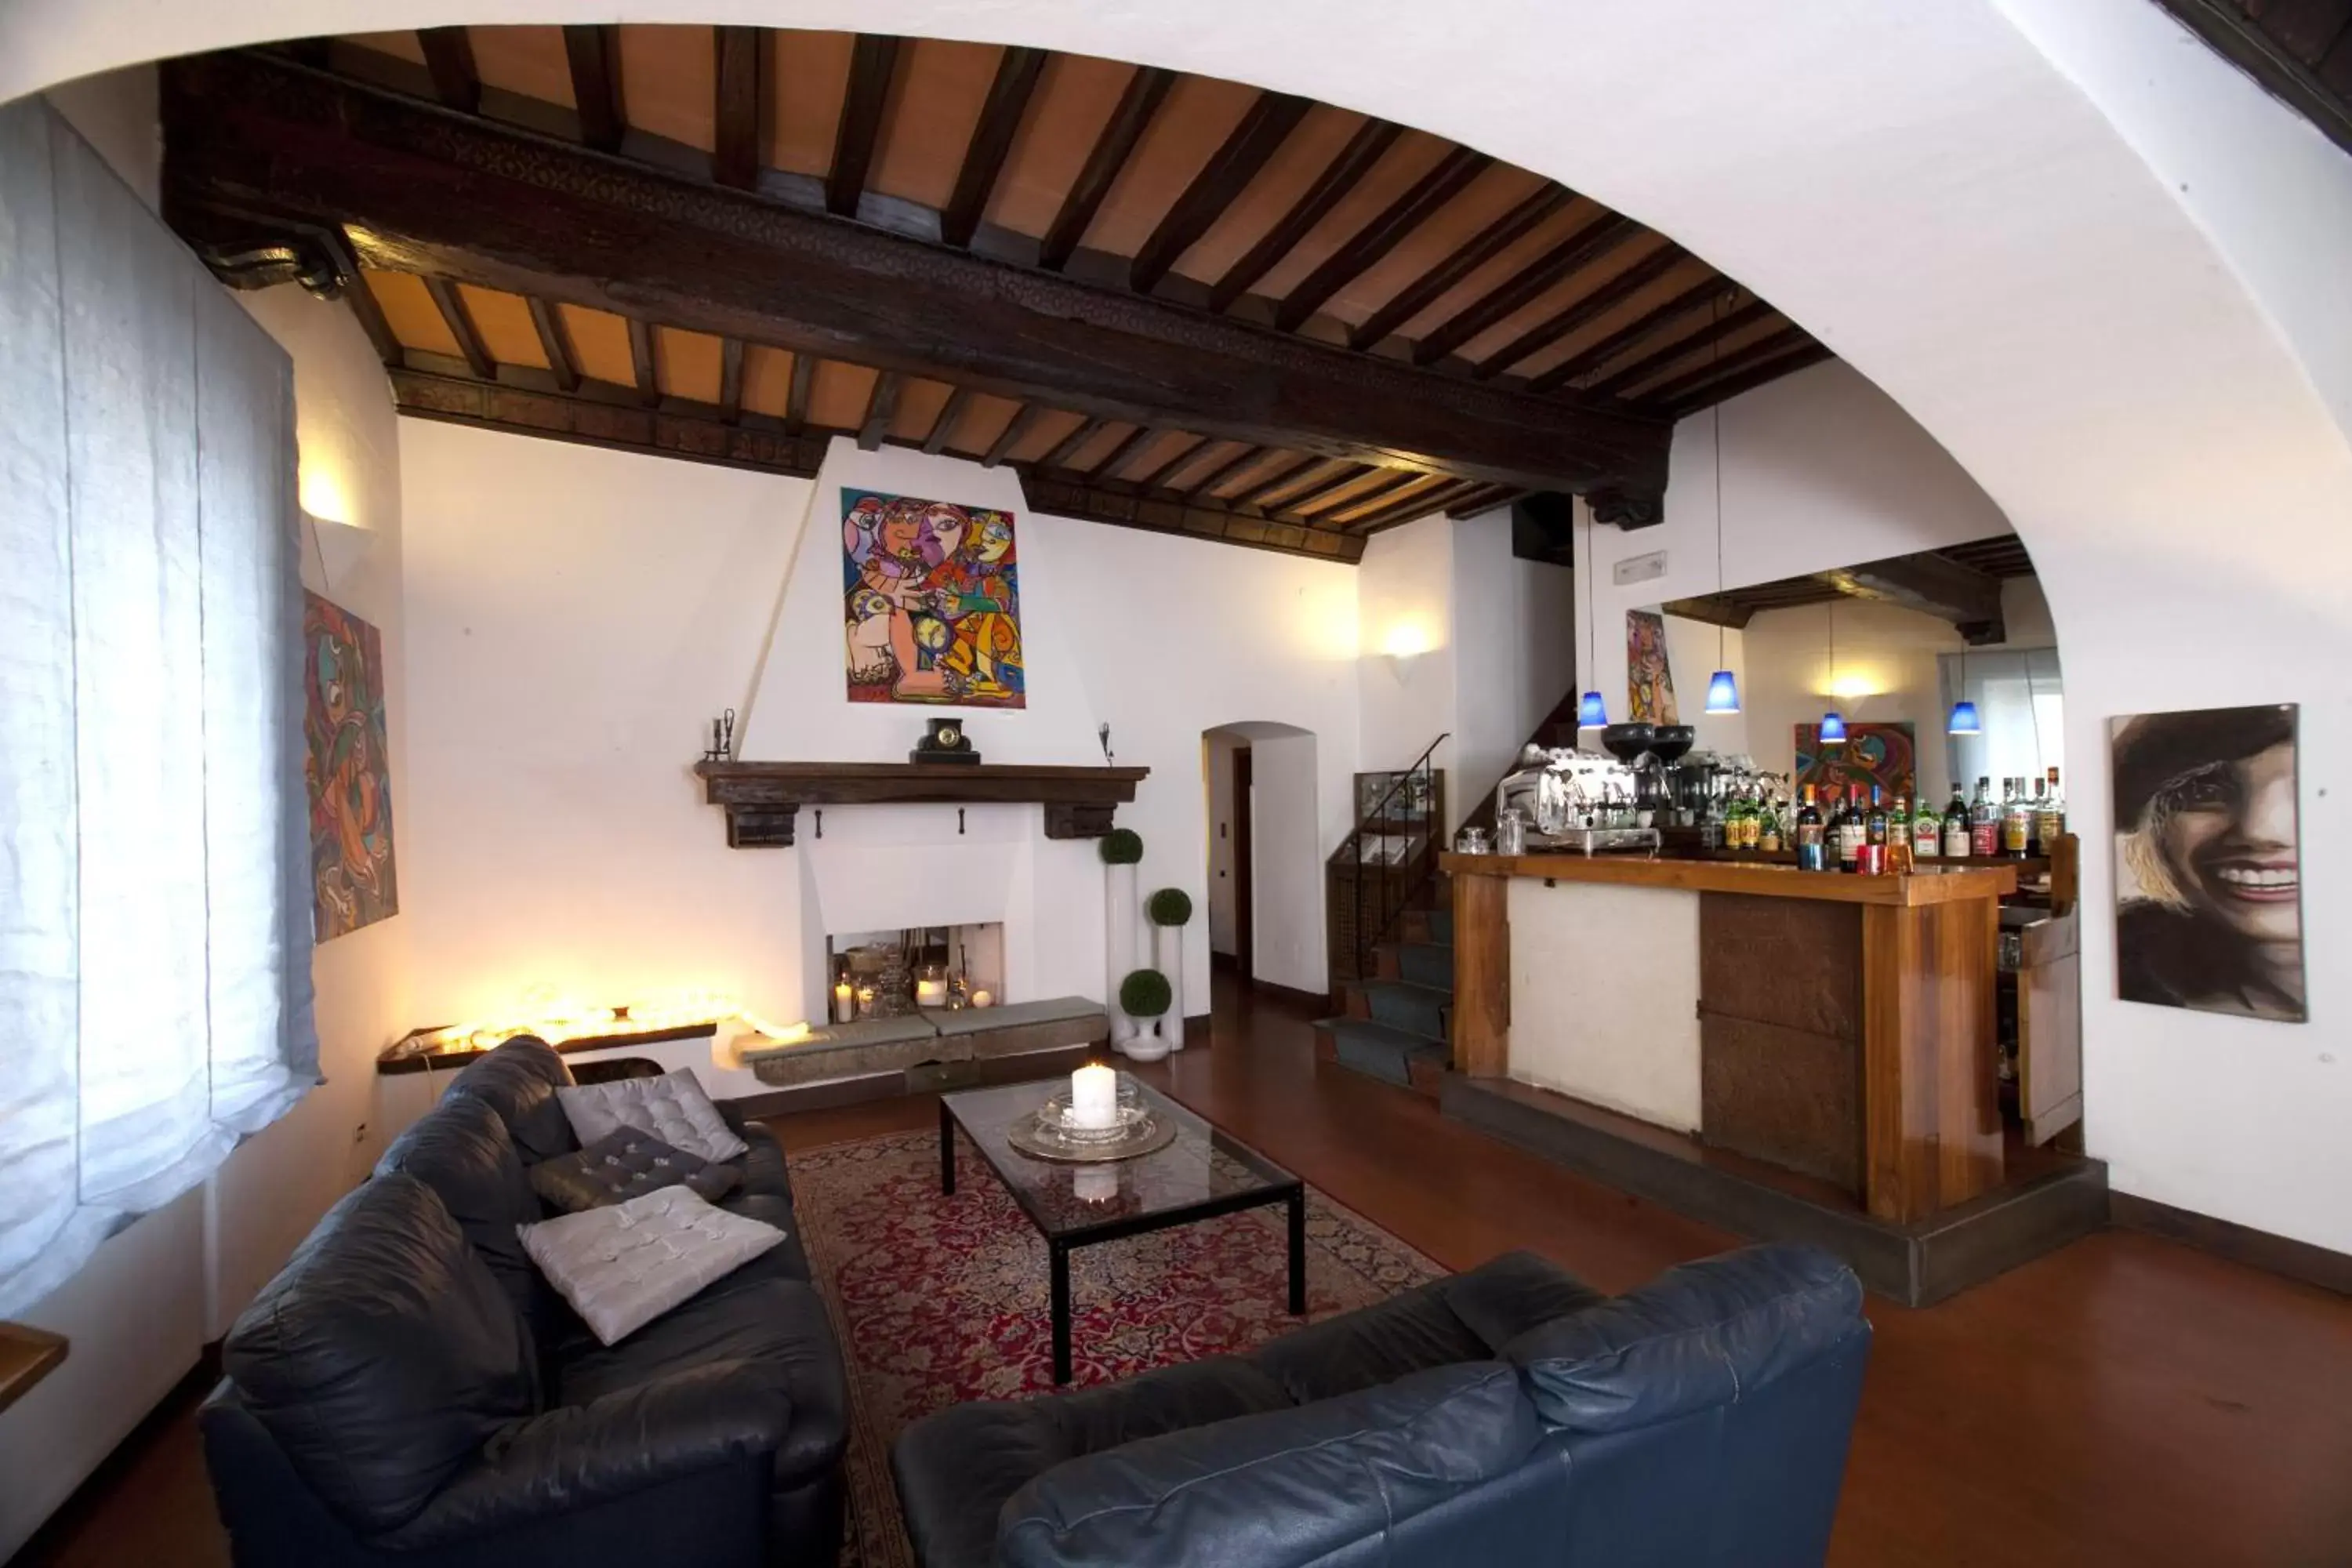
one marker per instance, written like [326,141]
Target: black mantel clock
[944,741]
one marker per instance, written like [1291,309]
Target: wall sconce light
[1403,648]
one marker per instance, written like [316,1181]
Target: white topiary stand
[1168,957]
[1118,949]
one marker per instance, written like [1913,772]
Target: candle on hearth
[865,1001]
[1095,1183]
[845,1002]
[982,996]
[1094,1097]
[929,993]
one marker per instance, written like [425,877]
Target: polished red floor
[2125,1401]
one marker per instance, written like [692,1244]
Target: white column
[1168,957]
[1118,945]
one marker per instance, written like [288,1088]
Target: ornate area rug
[941,1299]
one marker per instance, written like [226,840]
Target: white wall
[1886,674]
[1404,613]
[1515,629]
[140,1313]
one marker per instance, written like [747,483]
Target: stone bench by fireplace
[933,1048]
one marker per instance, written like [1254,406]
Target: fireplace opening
[896,972]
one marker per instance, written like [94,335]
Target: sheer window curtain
[154,887]
[2021,707]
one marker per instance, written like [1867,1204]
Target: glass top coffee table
[1201,1175]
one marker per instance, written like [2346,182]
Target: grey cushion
[673,1108]
[1705,1333]
[624,1165]
[625,1265]
[1281,1489]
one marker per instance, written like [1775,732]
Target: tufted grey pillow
[623,1267]
[672,1108]
[627,1165]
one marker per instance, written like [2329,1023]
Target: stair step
[1429,964]
[1429,925]
[1381,1052]
[1400,1005]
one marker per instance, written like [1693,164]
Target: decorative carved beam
[1220,184]
[1932,584]
[873,63]
[944,425]
[1070,495]
[740,73]
[1146,90]
[992,139]
[1716,610]
[555,343]
[427,191]
[1583,311]
[1344,173]
[1529,283]
[1383,233]
[593,53]
[449,55]
[1475,252]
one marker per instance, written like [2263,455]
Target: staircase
[1395,1027]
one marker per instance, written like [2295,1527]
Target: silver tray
[1050,1135]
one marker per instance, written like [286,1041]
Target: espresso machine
[1577,800]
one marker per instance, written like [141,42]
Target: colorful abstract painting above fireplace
[932,601]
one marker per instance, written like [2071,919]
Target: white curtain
[154,893]
[2021,707]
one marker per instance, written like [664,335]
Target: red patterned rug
[940,1300]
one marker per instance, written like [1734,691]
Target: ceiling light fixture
[1591,712]
[1833,722]
[1723,687]
[1964,720]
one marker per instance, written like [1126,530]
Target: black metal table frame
[1059,1248]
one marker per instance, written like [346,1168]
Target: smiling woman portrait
[2208,885]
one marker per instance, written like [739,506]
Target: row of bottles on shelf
[1855,834]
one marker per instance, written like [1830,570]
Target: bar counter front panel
[1836,1026]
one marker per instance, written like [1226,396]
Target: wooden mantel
[763,799]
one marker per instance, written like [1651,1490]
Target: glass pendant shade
[1965,720]
[1832,729]
[1591,713]
[1723,693]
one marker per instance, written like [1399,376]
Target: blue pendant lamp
[1591,712]
[1723,687]
[1833,722]
[1964,720]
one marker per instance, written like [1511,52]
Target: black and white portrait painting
[2208,889]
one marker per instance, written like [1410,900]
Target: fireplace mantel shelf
[762,800]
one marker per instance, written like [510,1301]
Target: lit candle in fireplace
[845,1002]
[1094,1097]
[931,993]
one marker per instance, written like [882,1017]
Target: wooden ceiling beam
[1932,584]
[1699,297]
[555,343]
[460,321]
[1682,348]
[1068,495]
[1528,284]
[1770,346]
[1200,487]
[796,396]
[1244,152]
[944,425]
[1132,443]
[1145,91]
[1068,447]
[644,361]
[1282,478]
[1484,499]
[1714,392]
[881,405]
[873,66]
[1421,503]
[739,74]
[1395,223]
[1024,419]
[449,57]
[1581,311]
[1158,476]
[1343,174]
[731,380]
[1329,485]
[1473,253]
[593,53]
[1714,609]
[361,301]
[427,191]
[983,158]
[1396,481]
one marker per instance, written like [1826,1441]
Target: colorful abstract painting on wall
[349,772]
[1885,755]
[1649,680]
[932,601]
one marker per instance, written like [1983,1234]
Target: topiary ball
[1144,995]
[1169,907]
[1122,847]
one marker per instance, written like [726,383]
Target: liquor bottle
[1926,833]
[1956,825]
[1984,822]
[1734,823]
[2051,823]
[1898,835]
[2016,819]
[1808,834]
[1768,831]
[1853,831]
[2033,820]
[1751,822]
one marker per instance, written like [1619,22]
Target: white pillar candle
[930,993]
[844,1003]
[1094,1097]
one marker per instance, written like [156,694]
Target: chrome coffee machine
[1577,800]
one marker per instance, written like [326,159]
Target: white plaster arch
[2003,212]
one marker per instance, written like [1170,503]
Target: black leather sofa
[409,1390]
[1508,1416]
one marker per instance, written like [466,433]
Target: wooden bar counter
[1839,1026]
